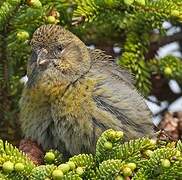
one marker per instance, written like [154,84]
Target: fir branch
[155,161]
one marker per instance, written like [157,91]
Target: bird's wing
[98,56]
[116,94]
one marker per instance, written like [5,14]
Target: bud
[132,166]
[165,163]
[64,167]
[148,152]
[19,167]
[109,3]
[79,170]
[140,2]
[128,2]
[127,171]
[71,164]
[119,134]
[49,157]
[167,71]
[22,35]
[51,19]
[57,174]
[175,13]
[8,167]
[34,3]
[108,145]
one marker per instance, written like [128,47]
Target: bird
[74,93]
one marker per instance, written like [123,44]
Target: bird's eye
[57,50]
[59,47]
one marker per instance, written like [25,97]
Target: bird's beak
[41,57]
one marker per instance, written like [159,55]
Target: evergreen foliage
[129,159]
[130,24]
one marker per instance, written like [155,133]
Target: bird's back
[116,95]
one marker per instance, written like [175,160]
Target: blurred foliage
[131,25]
[139,159]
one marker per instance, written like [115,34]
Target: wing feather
[116,94]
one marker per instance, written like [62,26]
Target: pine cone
[172,125]
[33,150]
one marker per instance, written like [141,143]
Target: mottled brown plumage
[73,94]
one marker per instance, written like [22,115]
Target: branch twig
[154,46]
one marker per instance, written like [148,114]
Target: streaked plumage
[74,93]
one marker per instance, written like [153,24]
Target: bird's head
[58,57]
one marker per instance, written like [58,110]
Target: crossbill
[74,93]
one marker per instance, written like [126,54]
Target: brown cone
[33,150]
